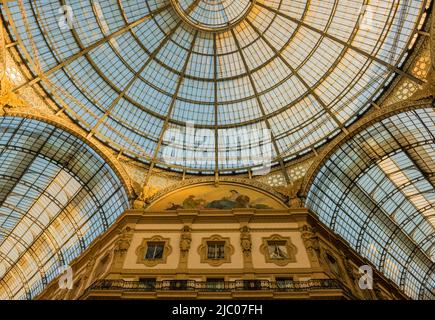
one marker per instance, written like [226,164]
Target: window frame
[290,248]
[142,251]
[203,250]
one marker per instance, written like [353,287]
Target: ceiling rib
[170,109]
[345,44]
[309,89]
[150,58]
[260,104]
[86,50]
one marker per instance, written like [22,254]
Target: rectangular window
[277,250]
[154,250]
[215,250]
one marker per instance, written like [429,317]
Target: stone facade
[317,265]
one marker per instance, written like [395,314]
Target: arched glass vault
[57,195]
[129,71]
[377,192]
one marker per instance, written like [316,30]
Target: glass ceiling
[377,192]
[129,71]
[56,196]
[212,15]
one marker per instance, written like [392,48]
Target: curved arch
[18,274]
[430,274]
[376,68]
[76,131]
[375,188]
[6,291]
[371,118]
[57,194]
[245,184]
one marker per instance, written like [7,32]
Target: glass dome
[57,194]
[376,191]
[214,15]
[129,72]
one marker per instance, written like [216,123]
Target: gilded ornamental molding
[278,250]
[208,180]
[204,254]
[141,251]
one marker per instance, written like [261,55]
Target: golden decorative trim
[203,250]
[290,248]
[142,249]
[326,255]
[60,123]
[2,51]
[9,99]
[247,183]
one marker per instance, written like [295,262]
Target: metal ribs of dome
[131,71]
[377,192]
[57,195]
[213,15]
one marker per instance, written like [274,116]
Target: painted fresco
[209,197]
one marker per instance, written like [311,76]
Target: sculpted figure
[311,242]
[245,240]
[186,239]
[292,192]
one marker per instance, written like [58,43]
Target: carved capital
[123,242]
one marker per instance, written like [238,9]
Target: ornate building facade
[276,253]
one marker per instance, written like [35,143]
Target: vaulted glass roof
[56,195]
[377,192]
[130,71]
